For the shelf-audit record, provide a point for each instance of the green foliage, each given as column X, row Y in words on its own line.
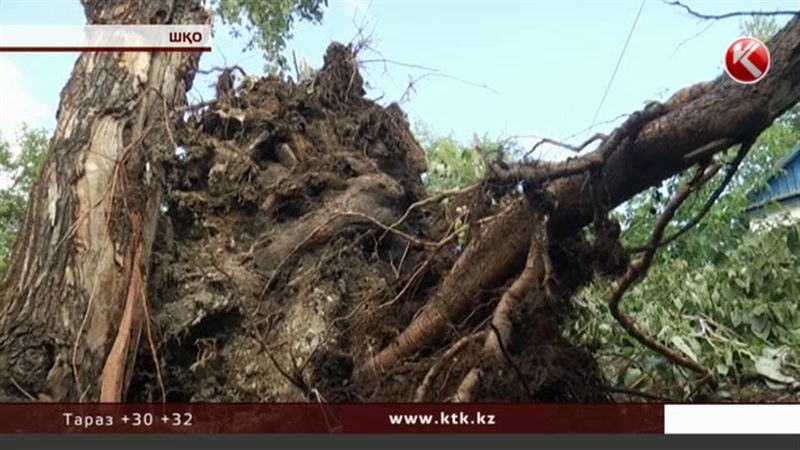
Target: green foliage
column 452, row 164
column 720, row 294
column 759, row 27
column 726, row 222
column 268, row 22
column 17, row 176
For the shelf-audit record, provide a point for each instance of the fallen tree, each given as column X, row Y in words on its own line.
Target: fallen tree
column 288, row 251
column 650, row 146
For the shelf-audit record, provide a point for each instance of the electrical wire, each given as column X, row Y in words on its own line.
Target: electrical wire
column 619, row 61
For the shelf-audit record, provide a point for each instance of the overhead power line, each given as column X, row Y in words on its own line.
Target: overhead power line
column 619, row 61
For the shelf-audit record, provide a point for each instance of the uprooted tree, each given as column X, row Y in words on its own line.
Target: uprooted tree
column 277, row 244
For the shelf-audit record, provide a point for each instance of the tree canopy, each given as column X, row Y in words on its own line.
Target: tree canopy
column 268, row 24
column 18, row 171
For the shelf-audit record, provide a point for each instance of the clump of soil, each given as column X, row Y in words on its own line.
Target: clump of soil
column 255, row 195
column 274, row 274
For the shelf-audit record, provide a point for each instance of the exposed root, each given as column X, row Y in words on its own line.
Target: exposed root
column 148, row 326
column 466, row 390
column 327, row 229
column 22, row 390
column 419, row 271
column 435, row 199
column 295, row 378
column 388, row 228
column 533, row 276
column 430, row 376
column 312, row 237
column 450, row 302
column 492, row 256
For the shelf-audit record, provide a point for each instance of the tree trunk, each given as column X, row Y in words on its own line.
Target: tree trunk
column 72, row 299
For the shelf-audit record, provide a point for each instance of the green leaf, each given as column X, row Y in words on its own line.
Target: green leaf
column 681, row 345
column 728, row 356
column 760, row 326
column 770, row 368
column 631, row 376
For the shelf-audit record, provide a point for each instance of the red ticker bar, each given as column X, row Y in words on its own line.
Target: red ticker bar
column 331, row 418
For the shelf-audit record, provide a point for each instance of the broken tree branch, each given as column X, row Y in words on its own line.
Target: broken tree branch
column 638, row 268
column 712, row 199
column 574, row 148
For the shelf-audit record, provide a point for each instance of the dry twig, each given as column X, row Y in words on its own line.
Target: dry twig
column 564, row 145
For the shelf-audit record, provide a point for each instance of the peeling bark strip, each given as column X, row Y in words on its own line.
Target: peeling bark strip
column 113, row 375
column 721, row 110
column 75, row 274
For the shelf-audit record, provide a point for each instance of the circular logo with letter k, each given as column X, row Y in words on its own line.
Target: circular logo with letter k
column 747, row 60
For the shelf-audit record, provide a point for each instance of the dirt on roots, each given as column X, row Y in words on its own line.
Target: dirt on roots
column 274, row 274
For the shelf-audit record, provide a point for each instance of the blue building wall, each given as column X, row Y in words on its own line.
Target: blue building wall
column 783, row 188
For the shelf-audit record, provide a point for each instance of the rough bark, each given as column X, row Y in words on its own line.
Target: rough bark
column 691, row 127
column 71, row 301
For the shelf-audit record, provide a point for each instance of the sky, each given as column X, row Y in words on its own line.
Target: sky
column 525, row 69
